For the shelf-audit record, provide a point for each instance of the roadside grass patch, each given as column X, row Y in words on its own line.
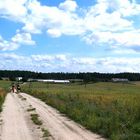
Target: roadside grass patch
column 2, row 97
column 45, row 133
column 35, row 119
column 31, row 109
column 23, row 99
column 1, row 121
column 5, row 85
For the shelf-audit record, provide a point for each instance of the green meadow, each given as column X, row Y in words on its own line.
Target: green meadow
column 5, row 85
column 2, row 97
column 109, row 109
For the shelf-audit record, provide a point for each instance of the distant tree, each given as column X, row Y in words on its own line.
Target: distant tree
column 87, row 77
column 24, row 79
column 12, row 78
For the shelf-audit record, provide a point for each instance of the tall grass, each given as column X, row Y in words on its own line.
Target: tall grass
column 2, row 97
column 5, row 85
column 4, row 88
column 110, row 109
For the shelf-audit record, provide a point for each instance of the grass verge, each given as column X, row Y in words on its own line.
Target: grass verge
column 45, row 133
column 35, row 119
column 2, row 98
column 31, row 109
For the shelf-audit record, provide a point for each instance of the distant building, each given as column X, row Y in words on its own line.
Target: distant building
column 5, row 78
column 119, row 80
column 75, row 80
column 19, row 78
column 48, row 80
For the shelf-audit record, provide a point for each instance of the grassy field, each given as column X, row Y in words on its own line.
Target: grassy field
column 110, row 109
column 2, row 97
column 5, row 85
column 4, row 88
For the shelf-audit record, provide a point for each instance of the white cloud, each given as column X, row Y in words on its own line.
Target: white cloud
column 64, row 63
column 61, row 57
column 23, row 38
column 16, row 41
column 121, row 51
column 31, row 28
column 54, row 20
column 68, row 5
column 105, row 22
column 7, row 45
column 11, row 56
column 54, row 32
column 128, row 39
column 13, row 9
column 112, row 27
column 49, row 58
column 43, row 58
column 127, row 8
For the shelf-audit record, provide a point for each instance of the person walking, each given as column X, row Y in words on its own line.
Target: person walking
column 18, row 88
column 13, row 88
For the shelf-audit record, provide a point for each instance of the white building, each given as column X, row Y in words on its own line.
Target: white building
column 119, row 80
column 19, row 78
column 49, row 80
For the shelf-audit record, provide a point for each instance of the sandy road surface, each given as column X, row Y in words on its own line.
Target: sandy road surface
column 14, row 124
column 59, row 126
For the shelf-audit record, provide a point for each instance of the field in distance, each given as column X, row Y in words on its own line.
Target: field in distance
column 110, row 109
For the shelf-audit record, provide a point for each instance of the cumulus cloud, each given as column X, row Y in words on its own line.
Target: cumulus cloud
column 54, row 32
column 128, row 8
column 7, row 45
column 128, row 39
column 68, row 5
column 108, row 24
column 106, row 21
column 13, row 9
column 49, row 58
column 16, row 41
column 55, row 20
column 124, row 51
column 64, row 63
column 23, row 38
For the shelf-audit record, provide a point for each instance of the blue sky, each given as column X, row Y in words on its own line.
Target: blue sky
column 70, row 35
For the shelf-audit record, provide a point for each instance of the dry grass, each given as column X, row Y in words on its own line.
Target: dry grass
column 2, row 97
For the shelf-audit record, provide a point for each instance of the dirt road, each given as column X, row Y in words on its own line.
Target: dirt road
column 17, row 124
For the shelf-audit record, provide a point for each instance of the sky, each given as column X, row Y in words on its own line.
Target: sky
column 70, row 35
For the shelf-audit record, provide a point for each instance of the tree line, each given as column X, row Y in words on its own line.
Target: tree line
column 86, row 76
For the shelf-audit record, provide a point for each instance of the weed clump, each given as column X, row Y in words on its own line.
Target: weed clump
column 2, row 98
column 35, row 119
column 31, row 109
column 45, row 133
